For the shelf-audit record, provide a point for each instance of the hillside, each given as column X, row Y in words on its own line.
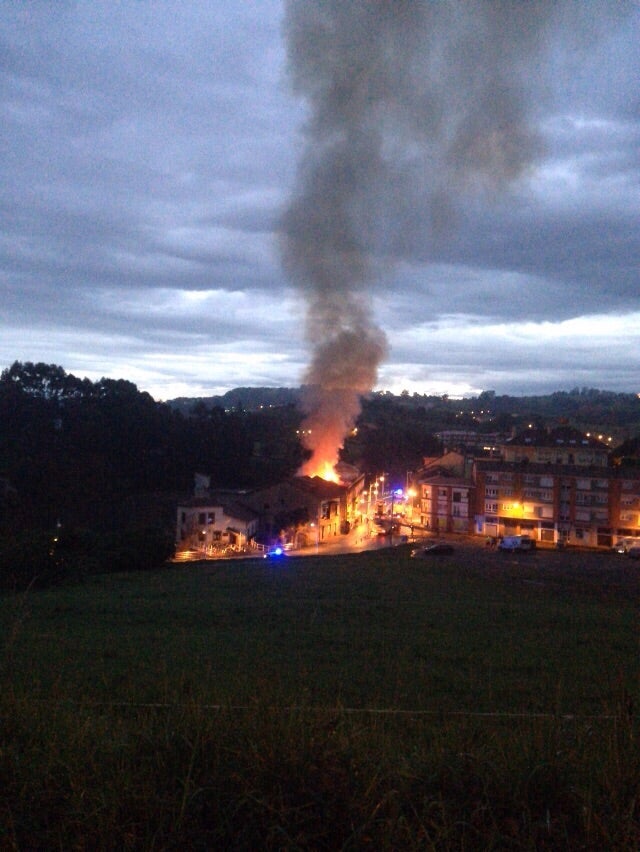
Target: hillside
column 589, row 409
column 243, row 398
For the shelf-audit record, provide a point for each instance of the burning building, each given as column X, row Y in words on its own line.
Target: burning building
column 301, row 511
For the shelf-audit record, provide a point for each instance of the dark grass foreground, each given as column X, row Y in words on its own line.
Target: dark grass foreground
column 334, row 703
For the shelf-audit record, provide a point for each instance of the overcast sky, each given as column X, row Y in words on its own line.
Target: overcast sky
column 150, row 149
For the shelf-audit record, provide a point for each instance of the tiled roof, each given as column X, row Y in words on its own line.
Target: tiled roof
column 561, row 436
column 592, row 471
column 231, row 508
column 319, row 487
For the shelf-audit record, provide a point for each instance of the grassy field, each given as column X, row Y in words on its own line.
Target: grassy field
column 370, row 701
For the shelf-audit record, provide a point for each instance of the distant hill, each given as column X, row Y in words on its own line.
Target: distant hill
column 585, row 408
column 247, row 398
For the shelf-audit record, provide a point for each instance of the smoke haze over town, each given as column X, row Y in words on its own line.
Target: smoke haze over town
column 213, row 195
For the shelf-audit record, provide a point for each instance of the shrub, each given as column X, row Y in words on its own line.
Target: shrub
column 37, row 559
column 134, row 549
column 31, row 558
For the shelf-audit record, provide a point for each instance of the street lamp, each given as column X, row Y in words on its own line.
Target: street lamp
column 317, row 526
column 397, row 492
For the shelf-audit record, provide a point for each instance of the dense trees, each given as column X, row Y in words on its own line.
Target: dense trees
column 108, row 463
column 72, row 447
column 70, row 444
column 67, row 442
column 586, row 408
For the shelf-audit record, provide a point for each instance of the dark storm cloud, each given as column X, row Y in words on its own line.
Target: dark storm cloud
column 148, row 150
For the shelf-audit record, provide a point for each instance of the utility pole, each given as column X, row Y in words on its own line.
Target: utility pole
column 394, row 492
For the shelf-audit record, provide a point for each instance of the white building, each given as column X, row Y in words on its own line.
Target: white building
column 209, row 524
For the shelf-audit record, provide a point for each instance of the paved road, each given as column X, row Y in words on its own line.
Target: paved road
column 360, row 539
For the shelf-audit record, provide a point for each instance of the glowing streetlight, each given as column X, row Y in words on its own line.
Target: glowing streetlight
column 411, row 494
column 398, row 492
column 317, row 529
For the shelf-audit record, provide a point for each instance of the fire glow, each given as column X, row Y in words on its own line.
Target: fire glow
column 323, row 460
column 324, row 455
column 331, row 414
column 324, row 470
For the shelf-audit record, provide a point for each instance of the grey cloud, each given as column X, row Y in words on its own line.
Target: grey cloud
column 152, row 147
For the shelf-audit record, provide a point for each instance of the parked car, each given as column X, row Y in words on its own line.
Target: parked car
column 624, row 545
column 433, row 550
column 634, row 552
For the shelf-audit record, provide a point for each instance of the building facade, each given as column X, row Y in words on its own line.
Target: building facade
column 447, row 504
column 592, row 506
column 210, row 525
column 553, row 485
column 563, row 445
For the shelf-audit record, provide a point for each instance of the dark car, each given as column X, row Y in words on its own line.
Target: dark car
column 433, row 550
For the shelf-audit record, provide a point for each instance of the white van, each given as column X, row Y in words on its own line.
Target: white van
column 517, row 543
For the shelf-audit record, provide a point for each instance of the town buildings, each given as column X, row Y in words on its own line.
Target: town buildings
column 554, row 485
column 300, row 512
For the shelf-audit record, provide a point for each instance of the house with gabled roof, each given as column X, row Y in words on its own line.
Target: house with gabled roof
column 309, row 509
column 213, row 523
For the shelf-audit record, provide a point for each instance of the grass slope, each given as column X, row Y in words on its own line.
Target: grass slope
column 366, row 701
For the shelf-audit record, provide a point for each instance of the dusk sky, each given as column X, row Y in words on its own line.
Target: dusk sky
column 156, row 154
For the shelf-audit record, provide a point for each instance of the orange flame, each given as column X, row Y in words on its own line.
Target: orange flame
column 323, row 469
column 326, row 471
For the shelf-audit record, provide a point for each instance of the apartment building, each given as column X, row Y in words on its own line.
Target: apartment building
column 588, row 505
column 561, row 445
column 447, row 504
column 553, row 485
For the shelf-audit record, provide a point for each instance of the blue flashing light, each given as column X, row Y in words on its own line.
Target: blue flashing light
column 275, row 553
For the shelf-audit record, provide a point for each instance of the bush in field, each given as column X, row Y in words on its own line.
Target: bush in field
column 133, row 550
column 37, row 559
column 32, row 558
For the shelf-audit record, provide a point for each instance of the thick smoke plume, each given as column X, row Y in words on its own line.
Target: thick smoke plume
column 413, row 105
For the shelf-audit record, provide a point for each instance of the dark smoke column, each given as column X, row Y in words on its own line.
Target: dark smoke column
column 326, row 250
column 412, row 103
